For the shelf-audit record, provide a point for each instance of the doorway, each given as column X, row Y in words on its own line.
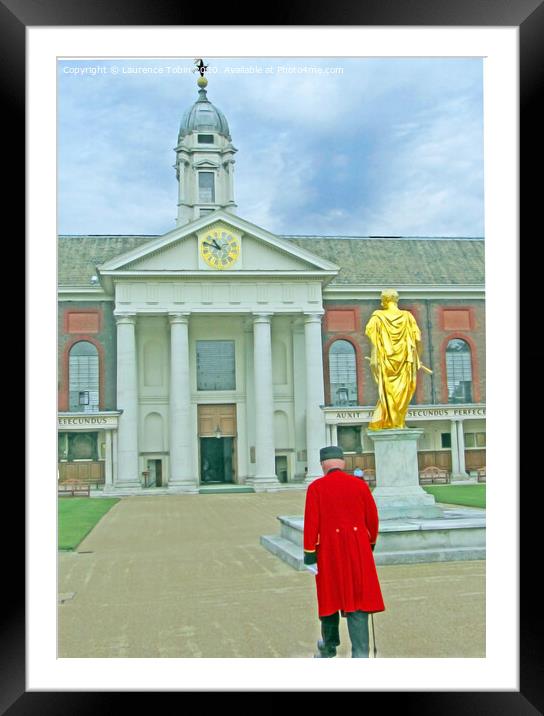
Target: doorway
column 281, row 468
column 154, row 468
column 217, row 437
column 216, row 460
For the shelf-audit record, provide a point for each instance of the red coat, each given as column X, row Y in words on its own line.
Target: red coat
column 340, row 523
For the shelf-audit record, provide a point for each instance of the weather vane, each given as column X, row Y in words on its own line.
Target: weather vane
column 200, row 67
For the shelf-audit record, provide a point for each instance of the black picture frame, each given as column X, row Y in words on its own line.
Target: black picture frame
column 528, row 16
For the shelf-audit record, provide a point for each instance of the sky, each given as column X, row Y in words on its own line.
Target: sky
column 326, row 146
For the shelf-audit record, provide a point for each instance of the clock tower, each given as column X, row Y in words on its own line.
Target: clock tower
column 204, row 160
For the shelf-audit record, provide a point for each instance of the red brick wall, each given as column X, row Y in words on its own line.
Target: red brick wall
column 434, row 317
column 79, row 325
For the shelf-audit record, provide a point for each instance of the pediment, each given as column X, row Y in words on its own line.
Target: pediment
column 206, row 164
column 179, row 251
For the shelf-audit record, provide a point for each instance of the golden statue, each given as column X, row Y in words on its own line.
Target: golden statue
column 394, row 361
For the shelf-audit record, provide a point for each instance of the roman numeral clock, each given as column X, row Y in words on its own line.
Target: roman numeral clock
column 219, row 247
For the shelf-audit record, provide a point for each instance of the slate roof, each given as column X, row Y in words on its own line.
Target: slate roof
column 400, row 260
column 363, row 259
column 78, row 256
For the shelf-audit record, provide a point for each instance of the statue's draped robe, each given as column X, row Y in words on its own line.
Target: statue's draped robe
column 394, row 362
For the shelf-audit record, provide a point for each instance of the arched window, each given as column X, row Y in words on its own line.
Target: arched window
column 343, row 373
column 84, row 378
column 459, row 371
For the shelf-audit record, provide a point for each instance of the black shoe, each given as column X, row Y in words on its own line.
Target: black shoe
column 324, row 652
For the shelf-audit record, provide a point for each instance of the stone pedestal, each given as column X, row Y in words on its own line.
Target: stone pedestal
column 458, row 535
column 398, row 493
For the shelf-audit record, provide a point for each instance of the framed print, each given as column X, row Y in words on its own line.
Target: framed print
column 48, row 43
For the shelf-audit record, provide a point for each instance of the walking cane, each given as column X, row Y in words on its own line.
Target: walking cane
column 373, row 635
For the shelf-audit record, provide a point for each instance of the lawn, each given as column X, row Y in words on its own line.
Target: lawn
column 78, row 516
column 468, row 495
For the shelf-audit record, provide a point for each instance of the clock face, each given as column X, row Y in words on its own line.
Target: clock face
column 219, row 248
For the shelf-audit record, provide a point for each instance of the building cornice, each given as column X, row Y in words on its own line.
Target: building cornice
column 223, row 275
column 360, row 414
column 82, row 293
column 411, row 291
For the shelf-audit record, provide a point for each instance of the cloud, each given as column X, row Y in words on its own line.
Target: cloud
column 389, row 146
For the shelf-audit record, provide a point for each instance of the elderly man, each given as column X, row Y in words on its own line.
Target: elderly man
column 340, row 532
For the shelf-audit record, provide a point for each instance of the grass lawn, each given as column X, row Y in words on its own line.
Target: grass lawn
column 469, row 495
column 78, row 516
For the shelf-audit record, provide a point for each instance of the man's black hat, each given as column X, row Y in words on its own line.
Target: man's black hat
column 331, row 452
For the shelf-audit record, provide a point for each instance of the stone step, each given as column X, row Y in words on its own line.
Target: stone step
column 458, row 535
column 224, row 489
column 285, row 550
column 451, row 554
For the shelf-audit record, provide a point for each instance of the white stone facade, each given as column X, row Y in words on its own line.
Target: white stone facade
column 270, row 305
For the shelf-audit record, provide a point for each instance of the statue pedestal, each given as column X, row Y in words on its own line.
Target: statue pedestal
column 398, row 493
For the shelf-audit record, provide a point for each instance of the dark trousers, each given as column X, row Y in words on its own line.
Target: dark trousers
column 357, row 629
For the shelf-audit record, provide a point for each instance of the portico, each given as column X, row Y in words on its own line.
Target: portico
column 190, row 336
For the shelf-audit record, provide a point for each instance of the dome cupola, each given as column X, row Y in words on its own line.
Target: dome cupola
column 204, row 160
column 203, row 116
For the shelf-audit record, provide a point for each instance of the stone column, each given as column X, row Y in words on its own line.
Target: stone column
column 250, row 402
column 299, row 394
column 109, row 460
column 114, row 456
column 265, row 469
column 334, row 434
column 315, row 398
column 182, row 436
column 127, row 401
column 458, row 469
column 181, row 180
column 454, row 449
column 461, row 443
column 229, row 178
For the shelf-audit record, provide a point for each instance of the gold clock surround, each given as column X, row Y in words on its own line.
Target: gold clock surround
column 219, row 247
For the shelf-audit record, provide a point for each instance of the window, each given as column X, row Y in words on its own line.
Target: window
column 205, row 138
column 206, row 189
column 459, row 371
column 215, row 366
column 446, row 440
column 474, row 440
column 82, row 446
column 62, row 446
column 83, row 378
column 342, row 373
column 349, row 438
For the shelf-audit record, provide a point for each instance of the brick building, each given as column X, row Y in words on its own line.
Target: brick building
column 220, row 352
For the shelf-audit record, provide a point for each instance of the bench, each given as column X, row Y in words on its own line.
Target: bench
column 74, row 488
column 481, row 474
column 433, row 475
